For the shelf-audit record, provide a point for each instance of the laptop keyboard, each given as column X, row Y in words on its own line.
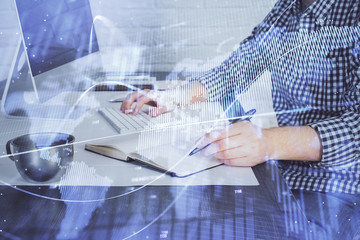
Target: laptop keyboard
column 124, row 123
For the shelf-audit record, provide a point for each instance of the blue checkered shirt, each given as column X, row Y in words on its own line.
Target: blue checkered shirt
column 314, row 60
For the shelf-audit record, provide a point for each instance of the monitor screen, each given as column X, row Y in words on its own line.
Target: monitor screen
column 56, row 32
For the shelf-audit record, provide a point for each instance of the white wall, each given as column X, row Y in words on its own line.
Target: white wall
column 167, row 35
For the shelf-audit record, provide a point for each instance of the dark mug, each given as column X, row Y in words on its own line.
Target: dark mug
column 41, row 157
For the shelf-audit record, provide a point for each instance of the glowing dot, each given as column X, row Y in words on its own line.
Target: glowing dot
column 28, row 37
column 61, row 39
column 44, row 20
column 33, row 55
column 44, row 29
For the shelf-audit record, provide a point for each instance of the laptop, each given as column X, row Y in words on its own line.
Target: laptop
column 58, row 51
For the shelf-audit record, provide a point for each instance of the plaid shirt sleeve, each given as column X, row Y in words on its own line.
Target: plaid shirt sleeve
column 340, row 136
column 243, row 66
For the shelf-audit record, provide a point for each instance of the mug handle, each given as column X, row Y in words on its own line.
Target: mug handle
column 8, row 150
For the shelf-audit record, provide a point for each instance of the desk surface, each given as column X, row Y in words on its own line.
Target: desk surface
column 91, row 169
column 266, row 211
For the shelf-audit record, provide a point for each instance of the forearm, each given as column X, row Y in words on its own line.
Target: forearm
column 293, row 143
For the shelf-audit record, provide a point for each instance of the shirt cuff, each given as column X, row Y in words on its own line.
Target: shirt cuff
column 338, row 144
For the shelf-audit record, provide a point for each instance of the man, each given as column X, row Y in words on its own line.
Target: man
column 312, row 49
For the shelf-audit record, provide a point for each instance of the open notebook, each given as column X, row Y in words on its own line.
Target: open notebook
column 165, row 158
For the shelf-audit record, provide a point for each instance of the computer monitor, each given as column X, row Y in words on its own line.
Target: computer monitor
column 59, row 39
column 58, row 50
column 56, row 32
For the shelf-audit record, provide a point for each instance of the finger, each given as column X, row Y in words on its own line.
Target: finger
column 140, row 103
column 239, row 157
column 239, row 162
column 230, row 154
column 128, row 101
column 228, row 131
column 209, row 138
column 224, row 144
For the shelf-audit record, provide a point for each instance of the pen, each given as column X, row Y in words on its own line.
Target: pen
column 248, row 115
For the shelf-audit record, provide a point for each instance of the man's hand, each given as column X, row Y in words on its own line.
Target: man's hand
column 239, row 144
column 165, row 101
column 161, row 100
column 245, row 144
